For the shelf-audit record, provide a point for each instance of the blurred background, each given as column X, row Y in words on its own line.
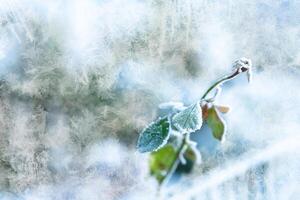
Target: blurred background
column 79, row 79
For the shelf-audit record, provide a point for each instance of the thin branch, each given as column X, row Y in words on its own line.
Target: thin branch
column 220, row 82
column 176, row 160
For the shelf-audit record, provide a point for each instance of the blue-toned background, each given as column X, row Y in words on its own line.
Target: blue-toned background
column 81, row 78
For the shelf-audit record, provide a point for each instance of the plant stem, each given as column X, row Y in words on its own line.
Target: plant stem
column 219, row 82
column 176, row 159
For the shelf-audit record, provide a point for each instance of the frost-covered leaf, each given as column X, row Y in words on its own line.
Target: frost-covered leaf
column 161, row 161
column 192, row 156
column 215, row 122
column 154, row 136
column 188, row 120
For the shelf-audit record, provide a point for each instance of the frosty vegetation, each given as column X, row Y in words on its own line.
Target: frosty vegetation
column 81, row 79
column 169, row 153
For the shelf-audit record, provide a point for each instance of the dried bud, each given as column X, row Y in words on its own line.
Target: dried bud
column 243, row 65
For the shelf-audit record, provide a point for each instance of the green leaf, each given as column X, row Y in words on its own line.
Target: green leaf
column 188, row 120
column 192, row 156
column 154, row 136
column 216, row 123
column 161, row 161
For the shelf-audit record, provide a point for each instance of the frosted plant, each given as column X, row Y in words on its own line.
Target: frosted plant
column 76, row 73
column 166, row 155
